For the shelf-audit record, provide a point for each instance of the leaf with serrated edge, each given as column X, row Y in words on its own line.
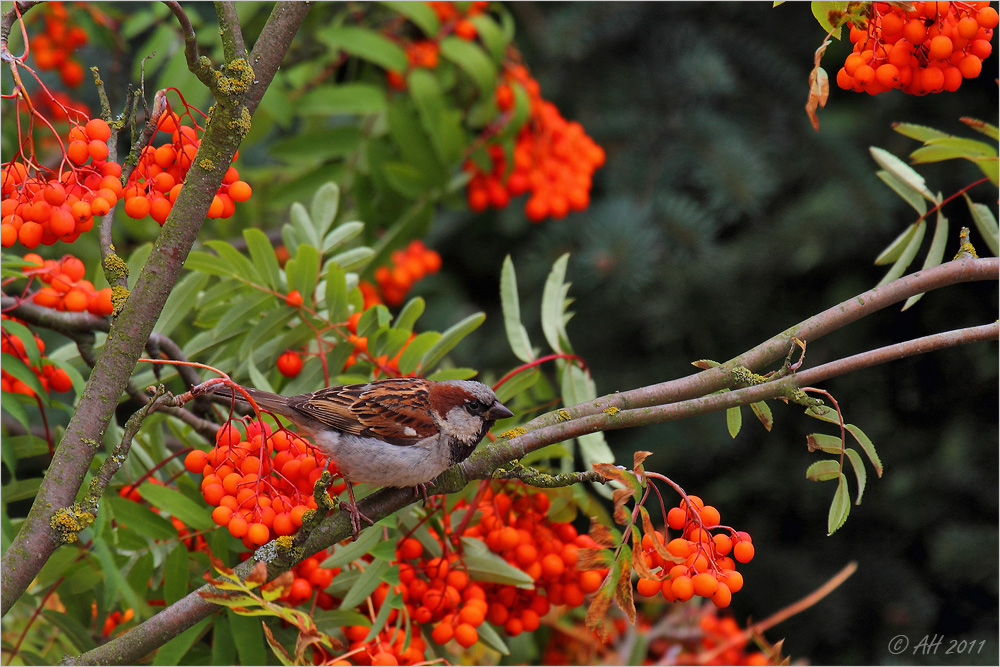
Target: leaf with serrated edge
column 620, row 498
column 601, row 534
column 623, row 589
column 553, row 306
column 894, row 250
column 981, row 126
column 918, row 132
column 859, row 471
column 823, row 413
column 867, row 446
column 910, row 195
column 598, row 611
column 638, row 458
column 840, row 507
column 823, row 471
column 279, row 651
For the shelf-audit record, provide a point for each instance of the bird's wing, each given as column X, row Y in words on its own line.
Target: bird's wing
column 384, row 410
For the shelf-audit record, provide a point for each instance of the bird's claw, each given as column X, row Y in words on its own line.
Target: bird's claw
column 356, row 517
column 421, row 489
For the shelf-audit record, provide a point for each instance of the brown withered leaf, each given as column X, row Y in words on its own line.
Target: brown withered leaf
column 257, row 576
column 597, row 613
column 602, row 535
column 623, row 589
column 819, row 86
column 638, row 458
column 620, row 497
column 278, row 649
column 640, row 566
column 610, row 472
column 592, row 559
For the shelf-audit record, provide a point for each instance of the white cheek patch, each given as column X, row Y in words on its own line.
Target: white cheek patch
column 460, row 424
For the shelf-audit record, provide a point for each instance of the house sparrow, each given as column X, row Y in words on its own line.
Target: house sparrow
column 394, row 432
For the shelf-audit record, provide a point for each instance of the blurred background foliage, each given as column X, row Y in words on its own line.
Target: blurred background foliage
column 720, row 219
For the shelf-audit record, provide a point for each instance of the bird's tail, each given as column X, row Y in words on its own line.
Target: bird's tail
column 264, row 400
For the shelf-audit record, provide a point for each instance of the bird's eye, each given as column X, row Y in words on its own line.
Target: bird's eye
column 474, row 407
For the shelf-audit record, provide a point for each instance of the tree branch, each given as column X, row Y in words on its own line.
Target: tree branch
column 36, row 540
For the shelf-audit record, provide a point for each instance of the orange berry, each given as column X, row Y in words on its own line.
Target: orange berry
column 258, row 533
column 100, row 206
column 289, row 364
column 682, row 588
column 722, row 596
column 411, row 549
column 384, row 659
column 466, row 635
column 743, row 552
column 705, row 584
column 60, row 381
column 733, row 580
column 159, row 209
column 75, row 300
column 970, row 66
column 195, row 461
column 98, row 150
column 240, row 191
column 213, row 494
column 648, row 587
column 97, row 130
column 78, row 151
column 137, row 207
column 988, row 18
column 940, row 47
column 222, row 515
column 216, row 208
column 590, row 581
column 442, row 633
column 293, row 299
column 552, row 566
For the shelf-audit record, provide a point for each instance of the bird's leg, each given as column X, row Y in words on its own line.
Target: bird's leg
column 421, row 489
column 356, row 515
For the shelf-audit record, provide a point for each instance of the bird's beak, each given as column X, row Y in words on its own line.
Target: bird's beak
column 498, row 411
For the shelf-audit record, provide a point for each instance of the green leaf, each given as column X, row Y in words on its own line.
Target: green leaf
column 823, row 471
column 471, row 58
column 965, row 148
column 517, row 335
column 140, row 519
column 554, row 306
column 265, row 262
column 840, row 507
column 409, row 315
column 223, row 642
column 899, row 268
column 734, row 421
column 822, row 13
column 13, row 365
column 22, row 489
column 318, row 145
column 336, row 293
column 365, row 44
column 78, row 635
column 27, row 337
column 405, row 179
column 416, row 350
column 176, row 581
column 177, row 648
column 345, row 554
column 342, row 234
column 353, row 259
column 414, row 143
column 249, row 639
column 345, row 98
column 935, row 254
column 893, row 164
column 919, row 132
column 492, row 36
column 440, row 120
column 982, row 215
column 257, row 379
column 825, row 443
column 910, row 195
column 859, row 472
column 763, row 412
column 484, row 565
column 179, row 304
column 449, row 339
column 419, row 13
column 367, row 582
column 324, row 207
column 232, row 257
column 823, row 413
column 302, row 272
column 177, row 505
column 445, row 374
column 867, row 446
column 517, row 384
column 489, row 637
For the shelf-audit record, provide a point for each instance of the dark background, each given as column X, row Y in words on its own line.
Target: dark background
column 720, row 219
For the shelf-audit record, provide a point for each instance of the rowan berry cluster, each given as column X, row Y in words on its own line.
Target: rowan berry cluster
column 41, row 206
column 553, row 159
column 515, row 525
column 65, row 288
column 455, row 17
column 260, row 486
column 919, row 47
column 51, row 377
column 423, row 53
column 53, row 48
column 408, row 267
column 158, row 177
column 698, row 562
column 388, row 648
